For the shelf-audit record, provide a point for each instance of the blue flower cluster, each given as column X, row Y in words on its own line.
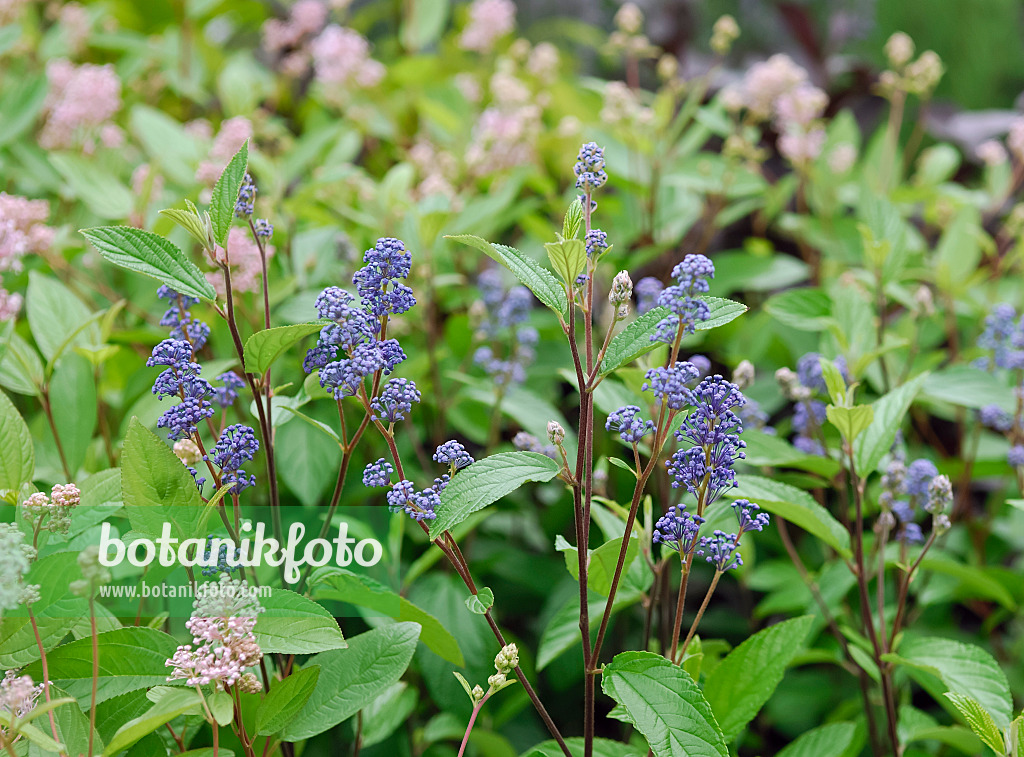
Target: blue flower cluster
column 177, row 316
column 596, row 242
column 246, row 202
column 721, row 550
column 226, row 394
column 454, row 455
column 395, row 400
column 672, row 385
column 505, row 316
column 419, row 506
column 1004, row 337
column 687, row 309
column 378, row 474
column 237, row 445
column 631, row 427
column 589, row 168
column 906, row 489
column 804, row 387
column 647, row 291
column 378, row 281
column 181, row 379
column 678, row 529
column 223, row 565
column 713, row 428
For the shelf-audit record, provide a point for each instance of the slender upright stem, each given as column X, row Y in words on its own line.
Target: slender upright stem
column 48, row 410
column 46, row 672
column 700, row 615
column 680, row 603
column 472, row 720
column 95, row 667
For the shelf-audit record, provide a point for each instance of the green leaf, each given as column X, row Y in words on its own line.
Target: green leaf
column 31, row 733
column 601, row 563
column 480, row 602
column 101, row 191
column 979, row 720
column 21, row 370
column 388, row 712
column 285, row 699
column 635, row 340
column 665, row 705
column 73, row 395
column 174, row 702
column 264, row 347
column 796, row 506
column 130, row 658
column 851, row 421
column 72, row 724
column 568, row 258
column 152, row 255
column 536, row 278
column 486, row 481
column 157, row 488
column 422, row 24
column 830, row 740
column 361, row 591
column 55, row 314
column 292, row 624
column 573, row 220
column 602, row 748
column 741, row 684
column 964, row 669
column 804, row 309
column 349, row 678
column 834, row 381
column 221, row 707
column 968, row 386
column 889, row 411
column 225, row 194
column 17, row 453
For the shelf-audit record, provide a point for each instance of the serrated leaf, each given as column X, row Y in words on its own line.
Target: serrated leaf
column 351, row 677
column 829, row 740
column 152, row 255
column 172, row 704
column 851, row 421
column 568, row 257
column 889, row 411
column 486, row 481
column 665, row 705
column 225, row 194
column 17, row 453
column 530, row 273
column 264, row 347
column 979, row 720
column 480, row 602
column 573, row 220
column 741, row 684
column 285, row 699
column 602, row 748
column 293, row 624
column 805, row 309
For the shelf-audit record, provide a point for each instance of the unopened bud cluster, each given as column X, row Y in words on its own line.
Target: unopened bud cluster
column 52, row 513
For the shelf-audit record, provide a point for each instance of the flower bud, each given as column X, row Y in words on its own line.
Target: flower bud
column 940, row 495
column 556, row 434
column 187, row 451
column 250, row 684
column 507, row 658
column 497, row 680
column 622, row 289
column 743, row 376
column 478, row 693
column 941, row 524
column 629, row 19
column 899, row 49
column 724, row 33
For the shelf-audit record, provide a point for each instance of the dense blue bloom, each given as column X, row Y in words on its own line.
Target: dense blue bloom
column 177, row 315
column 175, row 353
column 378, row 473
column 687, row 309
column 180, row 379
column 596, row 242
column 245, row 204
column 377, row 281
column 995, row 418
column 223, row 565
column 630, row 426
column 919, row 475
column 182, row 419
column 453, row 453
column 226, row 394
column 748, row 516
column 395, row 400
column 417, row 505
column 720, row 550
column 236, row 445
column 809, row 371
column 911, row 534
column 505, row 320
column 264, row 229
column 589, row 168
column 670, row 385
column 1004, row 335
column 1015, row 456
column 678, row 529
column 344, row 377
column 647, row 291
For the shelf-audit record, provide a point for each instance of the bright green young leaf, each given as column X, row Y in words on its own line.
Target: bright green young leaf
column 741, row 684
column 480, row 602
column 889, row 411
column 573, row 220
column 834, row 381
column 221, row 707
column 486, row 481
column 665, row 705
column 796, row 506
column 21, row 370
column 264, row 347
column 602, row 748
column 152, row 255
column 388, row 712
column 55, row 314
column 292, row 624
column 422, row 25
column 17, row 453
column 285, row 699
column 225, row 194
column 175, row 702
column 829, row 740
column 804, row 309
column 349, row 678
column 568, row 258
column 530, row 273
column 31, row 734
column 851, row 421
column 979, row 720
column 601, row 563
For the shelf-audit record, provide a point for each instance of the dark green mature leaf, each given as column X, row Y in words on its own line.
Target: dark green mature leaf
column 665, row 705
column 17, row 454
column 285, row 699
column 101, row 191
column 602, row 748
column 486, row 481
column 21, row 370
column 635, row 340
column 388, row 712
column 741, row 684
column 964, row 668
column 55, row 314
column 968, row 386
column 889, row 411
column 152, row 255
column 292, row 624
column 979, row 720
column 225, row 194
column 73, row 396
column 536, row 278
column 158, row 489
column 830, row 740
column 264, row 347
column 173, row 703
column 805, row 309
column 349, row 678
column 796, row 506
column 72, row 726
column 130, row 658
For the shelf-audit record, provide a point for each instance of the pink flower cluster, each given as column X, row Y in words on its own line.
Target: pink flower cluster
column 23, row 230
column 232, row 134
column 10, row 10
column 221, row 625
column 287, row 39
column 341, row 57
column 489, row 21
column 81, row 102
column 18, row 695
column 243, row 256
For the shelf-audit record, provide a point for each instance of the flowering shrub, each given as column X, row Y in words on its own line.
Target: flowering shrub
column 333, row 422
